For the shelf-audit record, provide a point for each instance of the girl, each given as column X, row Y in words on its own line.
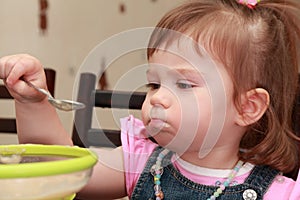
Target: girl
column 251, row 47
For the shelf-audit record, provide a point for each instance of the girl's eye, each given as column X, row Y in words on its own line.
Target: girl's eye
column 153, row 86
column 184, row 85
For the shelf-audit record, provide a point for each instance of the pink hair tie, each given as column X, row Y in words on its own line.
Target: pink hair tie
column 249, row 3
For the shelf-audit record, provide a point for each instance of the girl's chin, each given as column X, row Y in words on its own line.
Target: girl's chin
column 169, row 141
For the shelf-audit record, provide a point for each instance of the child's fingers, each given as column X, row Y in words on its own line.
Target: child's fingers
column 13, row 67
column 7, row 65
column 4, row 70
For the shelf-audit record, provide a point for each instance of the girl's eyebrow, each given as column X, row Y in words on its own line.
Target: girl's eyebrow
column 188, row 73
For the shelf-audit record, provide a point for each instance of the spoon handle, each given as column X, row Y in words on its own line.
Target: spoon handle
column 37, row 88
column 65, row 105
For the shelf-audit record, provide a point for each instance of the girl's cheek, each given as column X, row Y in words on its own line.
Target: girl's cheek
column 144, row 111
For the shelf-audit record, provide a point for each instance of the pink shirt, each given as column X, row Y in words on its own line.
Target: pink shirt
column 137, row 149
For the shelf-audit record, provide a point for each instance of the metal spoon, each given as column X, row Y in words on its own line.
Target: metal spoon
column 61, row 104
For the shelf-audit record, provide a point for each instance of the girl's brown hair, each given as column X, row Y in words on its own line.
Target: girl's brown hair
column 259, row 48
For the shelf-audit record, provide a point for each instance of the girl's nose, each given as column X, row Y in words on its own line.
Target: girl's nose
column 162, row 96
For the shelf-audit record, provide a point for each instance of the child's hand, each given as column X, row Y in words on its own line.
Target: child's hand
column 12, row 68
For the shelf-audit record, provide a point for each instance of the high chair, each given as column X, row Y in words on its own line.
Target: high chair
column 83, row 133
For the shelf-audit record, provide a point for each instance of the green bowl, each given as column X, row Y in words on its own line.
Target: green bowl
column 53, row 172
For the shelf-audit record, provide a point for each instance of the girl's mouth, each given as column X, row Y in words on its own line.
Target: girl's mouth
column 155, row 125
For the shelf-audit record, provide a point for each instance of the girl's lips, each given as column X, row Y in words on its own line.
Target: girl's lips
column 157, row 124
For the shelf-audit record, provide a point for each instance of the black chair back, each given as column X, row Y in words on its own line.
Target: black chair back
column 83, row 133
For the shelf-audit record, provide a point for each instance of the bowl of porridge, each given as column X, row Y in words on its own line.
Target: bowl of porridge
column 44, row 172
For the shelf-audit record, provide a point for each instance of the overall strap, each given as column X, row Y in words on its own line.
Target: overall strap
column 261, row 178
column 139, row 188
column 152, row 159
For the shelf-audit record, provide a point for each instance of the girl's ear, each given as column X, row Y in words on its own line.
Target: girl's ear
column 254, row 103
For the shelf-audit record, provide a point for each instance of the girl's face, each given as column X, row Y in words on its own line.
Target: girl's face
column 177, row 111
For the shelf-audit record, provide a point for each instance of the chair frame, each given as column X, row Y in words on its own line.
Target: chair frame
column 85, row 136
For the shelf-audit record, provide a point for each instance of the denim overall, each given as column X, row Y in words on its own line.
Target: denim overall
column 176, row 186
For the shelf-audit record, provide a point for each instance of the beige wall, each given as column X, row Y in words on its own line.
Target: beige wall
column 75, row 27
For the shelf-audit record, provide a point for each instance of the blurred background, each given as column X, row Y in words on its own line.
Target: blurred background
column 61, row 33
